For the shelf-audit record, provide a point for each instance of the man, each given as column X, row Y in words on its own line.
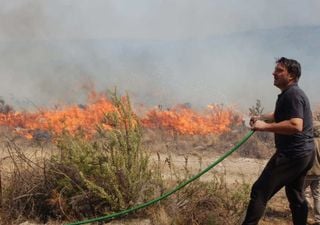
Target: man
column 291, row 122
column 313, row 175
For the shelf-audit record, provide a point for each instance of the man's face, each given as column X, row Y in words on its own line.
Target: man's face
column 282, row 79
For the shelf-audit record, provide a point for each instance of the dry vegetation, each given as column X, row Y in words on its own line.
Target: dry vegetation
column 77, row 179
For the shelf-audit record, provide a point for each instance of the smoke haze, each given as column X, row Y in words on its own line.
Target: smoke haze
column 161, row 52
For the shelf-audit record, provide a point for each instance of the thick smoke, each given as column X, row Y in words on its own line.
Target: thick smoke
column 164, row 52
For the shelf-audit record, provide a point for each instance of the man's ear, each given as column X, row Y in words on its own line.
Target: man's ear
column 292, row 77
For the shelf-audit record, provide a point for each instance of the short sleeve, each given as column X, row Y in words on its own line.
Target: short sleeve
column 295, row 106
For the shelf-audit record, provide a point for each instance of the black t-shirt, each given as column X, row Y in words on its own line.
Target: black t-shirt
column 293, row 103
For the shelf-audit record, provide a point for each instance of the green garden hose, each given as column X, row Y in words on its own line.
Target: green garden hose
column 165, row 195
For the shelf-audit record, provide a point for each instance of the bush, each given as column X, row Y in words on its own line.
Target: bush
column 86, row 178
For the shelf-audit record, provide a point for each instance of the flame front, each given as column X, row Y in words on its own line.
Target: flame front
column 215, row 119
column 70, row 119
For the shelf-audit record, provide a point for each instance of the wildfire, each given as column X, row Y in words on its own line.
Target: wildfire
column 181, row 119
column 216, row 119
column 70, row 119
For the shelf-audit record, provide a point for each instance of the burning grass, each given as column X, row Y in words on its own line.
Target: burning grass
column 181, row 119
column 70, row 119
column 216, row 119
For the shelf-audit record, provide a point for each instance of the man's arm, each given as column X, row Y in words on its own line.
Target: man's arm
column 287, row 127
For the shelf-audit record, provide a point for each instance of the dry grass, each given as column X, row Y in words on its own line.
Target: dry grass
column 27, row 168
column 31, row 191
column 209, row 206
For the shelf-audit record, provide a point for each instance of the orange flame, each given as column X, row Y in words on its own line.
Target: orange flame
column 70, row 119
column 216, row 119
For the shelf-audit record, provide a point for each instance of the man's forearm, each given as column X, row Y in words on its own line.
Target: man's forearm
column 287, row 127
column 269, row 117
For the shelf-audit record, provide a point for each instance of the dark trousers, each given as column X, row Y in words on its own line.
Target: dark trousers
column 281, row 171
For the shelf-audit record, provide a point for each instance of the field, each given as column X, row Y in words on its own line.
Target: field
column 63, row 175
column 183, row 157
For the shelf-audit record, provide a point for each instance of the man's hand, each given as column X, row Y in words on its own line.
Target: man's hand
column 259, row 125
column 253, row 119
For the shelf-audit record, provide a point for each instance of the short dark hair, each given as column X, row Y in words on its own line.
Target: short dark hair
column 293, row 66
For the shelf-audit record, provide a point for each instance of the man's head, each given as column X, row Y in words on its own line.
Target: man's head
column 293, row 67
column 286, row 72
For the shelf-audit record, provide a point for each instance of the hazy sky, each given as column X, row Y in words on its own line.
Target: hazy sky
column 162, row 52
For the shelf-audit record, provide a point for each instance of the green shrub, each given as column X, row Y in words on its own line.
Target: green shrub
column 113, row 170
column 87, row 178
